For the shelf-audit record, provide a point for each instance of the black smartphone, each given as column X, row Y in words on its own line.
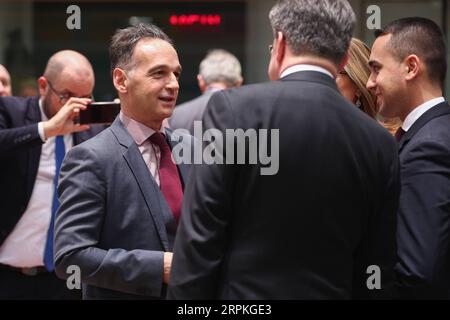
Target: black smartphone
column 99, row 112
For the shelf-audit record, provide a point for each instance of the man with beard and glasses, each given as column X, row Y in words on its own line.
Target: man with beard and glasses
column 34, row 135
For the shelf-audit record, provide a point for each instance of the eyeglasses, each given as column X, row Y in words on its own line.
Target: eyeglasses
column 64, row 97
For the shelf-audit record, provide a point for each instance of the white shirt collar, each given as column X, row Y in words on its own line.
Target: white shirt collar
column 305, row 67
column 41, row 108
column 213, row 89
column 419, row 111
column 138, row 131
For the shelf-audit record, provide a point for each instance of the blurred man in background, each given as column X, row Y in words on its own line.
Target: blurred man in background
column 34, row 135
column 218, row 70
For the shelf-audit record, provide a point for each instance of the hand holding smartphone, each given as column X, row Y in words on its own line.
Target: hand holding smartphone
column 99, row 112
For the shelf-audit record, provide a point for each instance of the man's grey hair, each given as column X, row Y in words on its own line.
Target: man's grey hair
column 220, row 66
column 321, row 28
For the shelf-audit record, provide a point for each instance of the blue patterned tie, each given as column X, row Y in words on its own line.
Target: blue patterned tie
column 59, row 156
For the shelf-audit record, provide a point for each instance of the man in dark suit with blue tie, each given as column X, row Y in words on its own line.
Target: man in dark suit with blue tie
column 121, row 192
column 34, row 134
column 408, row 63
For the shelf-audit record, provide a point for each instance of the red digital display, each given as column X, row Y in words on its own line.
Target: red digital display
column 195, row 19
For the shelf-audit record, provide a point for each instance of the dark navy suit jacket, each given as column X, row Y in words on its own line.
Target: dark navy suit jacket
column 20, row 152
column 423, row 233
column 311, row 230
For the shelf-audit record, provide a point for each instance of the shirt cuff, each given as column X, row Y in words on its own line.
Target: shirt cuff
column 41, row 131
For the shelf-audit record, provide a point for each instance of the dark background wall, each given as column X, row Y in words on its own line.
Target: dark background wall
column 100, row 20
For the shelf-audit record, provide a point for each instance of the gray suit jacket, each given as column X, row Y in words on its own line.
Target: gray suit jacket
column 186, row 113
column 113, row 221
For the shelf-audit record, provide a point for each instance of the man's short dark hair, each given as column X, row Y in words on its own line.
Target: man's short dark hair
column 124, row 40
column 422, row 37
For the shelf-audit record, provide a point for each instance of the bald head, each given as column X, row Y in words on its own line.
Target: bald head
column 68, row 62
column 5, row 82
column 68, row 74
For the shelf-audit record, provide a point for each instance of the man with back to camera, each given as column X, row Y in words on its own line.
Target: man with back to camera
column 314, row 228
column 120, row 227
column 219, row 70
column 34, row 134
column 408, row 69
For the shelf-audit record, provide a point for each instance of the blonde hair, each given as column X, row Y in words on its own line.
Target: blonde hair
column 358, row 70
column 391, row 124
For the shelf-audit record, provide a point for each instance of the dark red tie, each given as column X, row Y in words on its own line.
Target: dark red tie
column 169, row 178
column 399, row 133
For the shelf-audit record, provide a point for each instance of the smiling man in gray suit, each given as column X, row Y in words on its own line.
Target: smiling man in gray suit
column 121, row 193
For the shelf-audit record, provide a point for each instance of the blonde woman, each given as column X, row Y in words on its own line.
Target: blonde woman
column 352, row 80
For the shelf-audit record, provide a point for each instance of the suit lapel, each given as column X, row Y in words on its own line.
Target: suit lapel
column 437, row 111
column 147, row 185
column 32, row 116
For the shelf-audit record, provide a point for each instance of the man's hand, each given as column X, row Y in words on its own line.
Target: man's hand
column 62, row 122
column 167, row 265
